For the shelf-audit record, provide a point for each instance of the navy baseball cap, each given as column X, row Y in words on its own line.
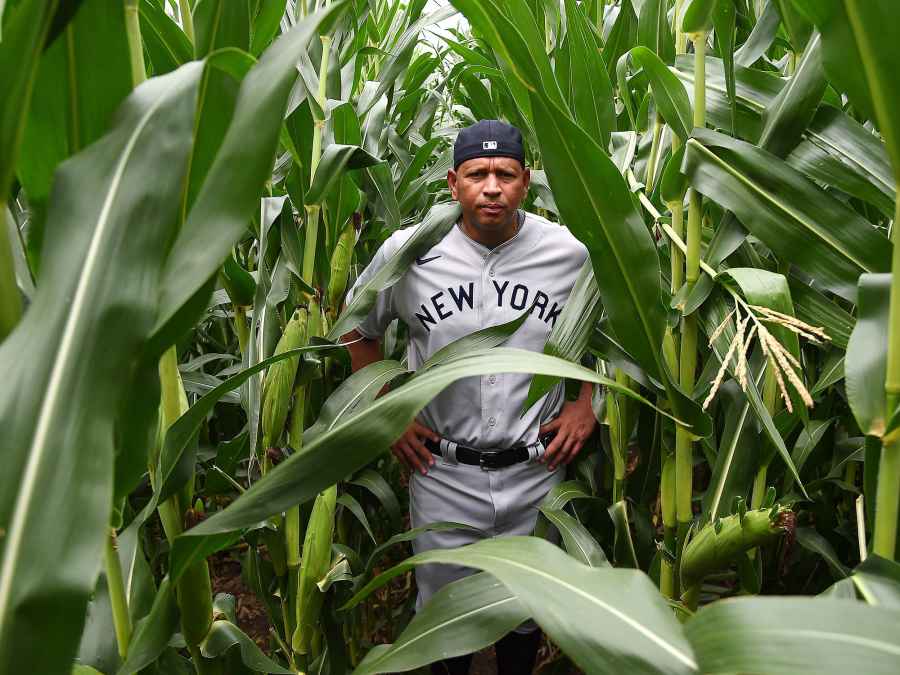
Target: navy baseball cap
column 488, row 138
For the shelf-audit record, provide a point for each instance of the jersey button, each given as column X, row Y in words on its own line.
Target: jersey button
column 492, row 421
column 491, row 273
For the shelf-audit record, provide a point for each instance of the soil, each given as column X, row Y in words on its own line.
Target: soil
column 225, row 573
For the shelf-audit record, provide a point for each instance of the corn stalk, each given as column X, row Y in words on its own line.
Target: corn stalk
column 887, row 505
column 688, row 360
column 313, row 211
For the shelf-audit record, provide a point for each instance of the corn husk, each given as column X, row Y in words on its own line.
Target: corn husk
column 315, row 565
column 340, row 266
column 717, row 545
column 279, row 382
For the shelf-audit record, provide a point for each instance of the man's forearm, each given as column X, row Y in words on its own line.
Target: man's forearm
column 363, row 351
column 586, row 391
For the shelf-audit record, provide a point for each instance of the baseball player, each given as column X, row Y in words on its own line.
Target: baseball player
column 472, row 458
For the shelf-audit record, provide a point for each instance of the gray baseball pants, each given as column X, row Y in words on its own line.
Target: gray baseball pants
column 500, row 502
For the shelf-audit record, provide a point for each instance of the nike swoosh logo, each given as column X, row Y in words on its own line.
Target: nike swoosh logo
column 422, row 261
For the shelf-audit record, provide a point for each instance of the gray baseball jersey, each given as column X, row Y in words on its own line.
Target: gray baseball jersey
column 453, row 290
column 461, row 286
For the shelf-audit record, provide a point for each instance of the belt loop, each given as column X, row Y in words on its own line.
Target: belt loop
column 535, row 450
column 448, row 452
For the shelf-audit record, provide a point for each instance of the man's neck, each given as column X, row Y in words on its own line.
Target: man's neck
column 489, row 238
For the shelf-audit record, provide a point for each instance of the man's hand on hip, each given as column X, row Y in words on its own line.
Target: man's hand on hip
column 410, row 447
column 573, row 426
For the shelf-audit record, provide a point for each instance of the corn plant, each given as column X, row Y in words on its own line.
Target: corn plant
column 188, row 189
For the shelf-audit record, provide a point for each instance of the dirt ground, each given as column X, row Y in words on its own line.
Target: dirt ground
column 225, row 571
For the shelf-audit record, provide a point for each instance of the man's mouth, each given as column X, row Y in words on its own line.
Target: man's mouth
column 492, row 209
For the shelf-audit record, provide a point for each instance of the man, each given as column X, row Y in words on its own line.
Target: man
column 472, row 458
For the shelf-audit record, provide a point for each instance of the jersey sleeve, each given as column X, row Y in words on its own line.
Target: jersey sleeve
column 382, row 313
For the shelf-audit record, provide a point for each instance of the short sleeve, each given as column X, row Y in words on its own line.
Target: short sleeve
column 382, row 313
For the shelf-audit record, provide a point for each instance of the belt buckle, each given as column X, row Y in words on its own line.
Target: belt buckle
column 483, row 465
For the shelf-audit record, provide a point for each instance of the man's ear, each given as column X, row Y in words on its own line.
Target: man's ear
column 526, row 177
column 451, row 183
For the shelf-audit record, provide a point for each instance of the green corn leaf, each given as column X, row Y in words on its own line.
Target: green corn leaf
column 816, row 309
column 71, row 107
column 606, row 620
column 622, row 36
column 266, row 24
column 165, row 43
column 624, row 554
column 724, row 23
column 812, row 541
column 224, row 206
column 878, row 581
column 376, row 484
column 153, row 632
column 355, row 441
column 669, row 93
column 654, row 31
column 792, row 110
column 357, row 391
column 865, row 366
column 350, row 503
column 468, row 614
column 220, row 23
column 592, row 93
column 794, row 635
column 579, row 543
column 697, row 16
column 761, row 36
column 790, row 214
column 179, row 436
column 736, row 460
column 336, row 159
column 58, row 454
column 224, row 635
column 797, row 26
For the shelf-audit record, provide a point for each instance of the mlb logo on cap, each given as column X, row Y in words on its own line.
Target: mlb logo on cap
column 487, row 138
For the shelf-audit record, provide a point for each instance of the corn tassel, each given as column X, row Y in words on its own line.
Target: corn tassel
column 316, row 562
column 279, row 382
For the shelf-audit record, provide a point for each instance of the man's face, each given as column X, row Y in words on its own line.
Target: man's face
column 489, row 190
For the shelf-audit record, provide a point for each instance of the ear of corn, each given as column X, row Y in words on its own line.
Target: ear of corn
column 316, row 561
column 717, row 545
column 279, row 382
column 340, row 266
column 315, row 318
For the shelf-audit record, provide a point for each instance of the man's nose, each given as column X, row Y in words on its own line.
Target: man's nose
column 491, row 185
